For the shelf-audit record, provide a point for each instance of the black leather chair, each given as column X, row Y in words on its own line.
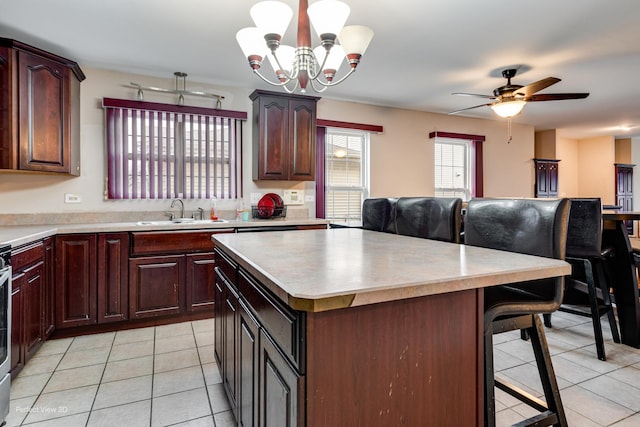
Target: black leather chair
column 378, row 214
column 587, row 289
column 535, row 227
column 436, row 218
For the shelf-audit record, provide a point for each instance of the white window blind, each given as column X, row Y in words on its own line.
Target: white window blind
column 346, row 175
column 160, row 151
column 452, row 164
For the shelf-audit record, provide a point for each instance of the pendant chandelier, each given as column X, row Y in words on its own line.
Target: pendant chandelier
column 300, row 66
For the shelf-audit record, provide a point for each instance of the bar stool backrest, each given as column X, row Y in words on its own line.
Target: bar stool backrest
column 436, row 218
column 584, row 235
column 377, row 214
column 528, row 226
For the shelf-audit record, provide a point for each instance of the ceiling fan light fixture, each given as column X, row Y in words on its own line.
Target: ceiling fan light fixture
column 508, row 109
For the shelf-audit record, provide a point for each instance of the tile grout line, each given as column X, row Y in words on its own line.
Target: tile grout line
column 100, row 380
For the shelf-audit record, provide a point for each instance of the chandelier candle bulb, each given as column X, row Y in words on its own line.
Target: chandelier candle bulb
column 297, row 67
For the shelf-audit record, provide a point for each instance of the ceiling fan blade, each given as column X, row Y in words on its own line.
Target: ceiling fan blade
column 474, row 94
column 534, row 87
column 471, row 108
column 555, row 96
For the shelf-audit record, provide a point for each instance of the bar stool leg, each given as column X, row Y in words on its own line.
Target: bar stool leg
column 489, row 380
column 545, row 368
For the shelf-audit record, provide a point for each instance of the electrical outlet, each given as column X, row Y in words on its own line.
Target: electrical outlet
column 72, row 198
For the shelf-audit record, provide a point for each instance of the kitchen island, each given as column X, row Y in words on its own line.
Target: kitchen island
column 356, row 328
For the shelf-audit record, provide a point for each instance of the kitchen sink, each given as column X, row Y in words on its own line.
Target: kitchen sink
column 181, row 221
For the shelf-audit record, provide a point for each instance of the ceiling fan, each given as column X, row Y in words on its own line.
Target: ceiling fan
column 510, row 99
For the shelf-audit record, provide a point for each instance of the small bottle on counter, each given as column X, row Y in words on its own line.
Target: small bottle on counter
column 213, row 214
column 239, row 209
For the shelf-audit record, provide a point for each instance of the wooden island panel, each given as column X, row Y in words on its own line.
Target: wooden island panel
column 412, row 362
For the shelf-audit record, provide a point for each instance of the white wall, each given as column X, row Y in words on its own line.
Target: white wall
column 401, row 157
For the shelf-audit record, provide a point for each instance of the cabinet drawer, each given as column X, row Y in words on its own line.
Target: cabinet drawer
column 280, row 322
column 170, row 242
column 226, row 265
column 26, row 255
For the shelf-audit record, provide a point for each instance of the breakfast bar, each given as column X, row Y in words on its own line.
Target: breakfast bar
column 354, row 327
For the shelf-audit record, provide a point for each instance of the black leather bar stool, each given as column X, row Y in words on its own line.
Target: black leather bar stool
column 535, row 227
column 436, row 218
column 587, row 289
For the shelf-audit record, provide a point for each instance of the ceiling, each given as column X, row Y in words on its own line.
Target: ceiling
column 422, row 51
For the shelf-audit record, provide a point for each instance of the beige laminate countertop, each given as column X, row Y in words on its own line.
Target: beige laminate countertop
column 20, row 234
column 317, row 270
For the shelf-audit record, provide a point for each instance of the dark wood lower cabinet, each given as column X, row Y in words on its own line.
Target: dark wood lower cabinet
column 75, row 289
column 32, row 294
column 281, row 386
column 49, row 302
column 199, row 284
column 230, row 350
column 263, row 387
column 113, row 277
column 17, row 349
column 249, row 352
column 155, row 286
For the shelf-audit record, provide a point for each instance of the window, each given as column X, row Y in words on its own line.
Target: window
column 458, row 165
column 346, row 175
column 452, row 177
column 160, row 151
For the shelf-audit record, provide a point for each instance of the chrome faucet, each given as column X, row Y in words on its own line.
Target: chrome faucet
column 181, row 206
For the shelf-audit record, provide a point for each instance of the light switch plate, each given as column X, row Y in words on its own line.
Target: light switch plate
column 293, row 197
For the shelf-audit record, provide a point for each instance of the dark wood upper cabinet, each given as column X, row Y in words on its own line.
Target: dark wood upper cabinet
column 546, row 177
column 284, row 136
column 39, row 110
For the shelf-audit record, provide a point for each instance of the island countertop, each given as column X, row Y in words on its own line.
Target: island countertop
column 319, row 270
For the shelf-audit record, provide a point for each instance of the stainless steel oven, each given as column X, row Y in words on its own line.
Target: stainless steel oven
column 5, row 330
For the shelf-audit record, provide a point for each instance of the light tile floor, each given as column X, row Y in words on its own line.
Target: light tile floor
column 166, row 376
column 151, row 377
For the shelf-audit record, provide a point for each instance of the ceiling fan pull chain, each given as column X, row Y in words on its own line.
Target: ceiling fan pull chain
column 509, row 130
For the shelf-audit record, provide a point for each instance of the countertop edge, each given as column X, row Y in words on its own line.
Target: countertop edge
column 18, row 235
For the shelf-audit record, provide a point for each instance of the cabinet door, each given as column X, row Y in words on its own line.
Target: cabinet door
column 552, row 173
column 280, row 386
column 48, row 301
column 33, row 311
column 219, row 314
column 273, row 133
column 302, row 140
column 542, row 184
column 9, row 157
column 156, row 286
column 200, row 282
column 17, row 325
column 44, row 108
column 76, row 276
column 113, row 277
column 229, row 359
column 248, row 354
